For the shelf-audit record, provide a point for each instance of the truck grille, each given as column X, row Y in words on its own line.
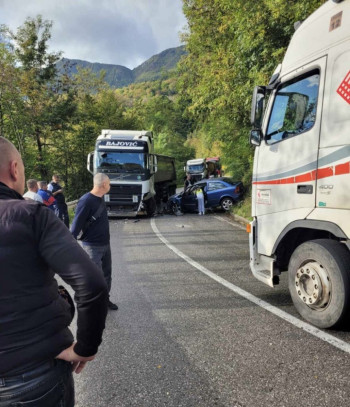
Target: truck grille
column 123, row 195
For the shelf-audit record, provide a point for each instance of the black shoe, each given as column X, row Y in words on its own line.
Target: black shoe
column 112, row 306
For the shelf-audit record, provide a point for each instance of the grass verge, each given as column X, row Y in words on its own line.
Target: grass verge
column 244, row 208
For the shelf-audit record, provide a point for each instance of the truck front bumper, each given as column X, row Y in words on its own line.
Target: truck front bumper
column 263, row 267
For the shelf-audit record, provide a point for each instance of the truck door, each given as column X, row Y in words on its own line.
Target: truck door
column 285, row 166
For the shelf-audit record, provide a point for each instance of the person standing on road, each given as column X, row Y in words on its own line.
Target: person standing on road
column 57, row 192
column 32, row 193
column 37, row 350
column 91, row 220
column 200, row 199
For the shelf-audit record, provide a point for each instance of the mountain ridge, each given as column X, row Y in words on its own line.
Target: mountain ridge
column 118, row 76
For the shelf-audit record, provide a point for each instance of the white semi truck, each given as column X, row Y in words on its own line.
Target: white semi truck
column 197, row 168
column 301, row 174
column 139, row 178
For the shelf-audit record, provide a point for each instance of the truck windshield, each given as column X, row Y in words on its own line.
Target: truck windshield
column 121, row 162
column 294, row 109
column 196, row 168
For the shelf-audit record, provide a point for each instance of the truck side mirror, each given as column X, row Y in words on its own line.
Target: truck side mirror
column 90, row 159
column 255, row 137
column 153, row 163
column 258, row 104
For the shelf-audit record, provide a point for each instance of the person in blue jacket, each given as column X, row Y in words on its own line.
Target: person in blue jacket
column 46, row 196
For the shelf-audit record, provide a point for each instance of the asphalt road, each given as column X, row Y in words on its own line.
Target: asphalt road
column 183, row 339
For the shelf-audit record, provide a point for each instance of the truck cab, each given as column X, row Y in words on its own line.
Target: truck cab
column 138, row 176
column 301, row 172
column 197, row 169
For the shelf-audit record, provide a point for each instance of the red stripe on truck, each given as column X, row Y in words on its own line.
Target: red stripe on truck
column 326, row 172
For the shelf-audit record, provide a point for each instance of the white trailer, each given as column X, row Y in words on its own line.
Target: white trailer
column 301, row 174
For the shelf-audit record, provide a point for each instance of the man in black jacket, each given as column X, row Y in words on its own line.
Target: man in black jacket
column 37, row 350
column 57, row 192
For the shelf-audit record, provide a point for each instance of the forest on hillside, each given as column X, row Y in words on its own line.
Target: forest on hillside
column 202, row 109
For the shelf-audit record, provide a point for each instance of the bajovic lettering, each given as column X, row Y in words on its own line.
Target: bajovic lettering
column 122, row 143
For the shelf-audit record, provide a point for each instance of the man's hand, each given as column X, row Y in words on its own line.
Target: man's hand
column 78, row 362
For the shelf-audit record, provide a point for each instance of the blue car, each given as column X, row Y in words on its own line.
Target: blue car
column 221, row 192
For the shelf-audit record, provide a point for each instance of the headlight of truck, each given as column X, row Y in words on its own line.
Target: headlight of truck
column 107, row 198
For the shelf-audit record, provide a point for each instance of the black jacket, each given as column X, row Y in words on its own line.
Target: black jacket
column 60, row 199
column 34, row 319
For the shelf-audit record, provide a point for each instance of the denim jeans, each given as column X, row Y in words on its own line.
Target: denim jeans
column 200, row 199
column 48, row 385
column 102, row 257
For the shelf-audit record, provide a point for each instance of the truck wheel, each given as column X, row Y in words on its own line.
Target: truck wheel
column 226, row 203
column 319, row 282
column 151, row 207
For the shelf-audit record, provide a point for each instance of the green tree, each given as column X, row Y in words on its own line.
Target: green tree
column 37, row 77
column 232, row 46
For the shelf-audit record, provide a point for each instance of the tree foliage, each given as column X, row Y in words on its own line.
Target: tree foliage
column 232, row 46
column 200, row 110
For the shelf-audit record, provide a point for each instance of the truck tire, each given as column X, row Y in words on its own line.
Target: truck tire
column 151, row 207
column 319, row 282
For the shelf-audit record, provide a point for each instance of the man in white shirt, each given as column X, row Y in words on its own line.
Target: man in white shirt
column 32, row 185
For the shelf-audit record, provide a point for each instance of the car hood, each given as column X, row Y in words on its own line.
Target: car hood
column 176, row 196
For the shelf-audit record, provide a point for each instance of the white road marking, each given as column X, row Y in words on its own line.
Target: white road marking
column 237, row 225
column 324, row 336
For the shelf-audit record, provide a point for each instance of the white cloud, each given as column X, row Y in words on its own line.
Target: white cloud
column 123, row 32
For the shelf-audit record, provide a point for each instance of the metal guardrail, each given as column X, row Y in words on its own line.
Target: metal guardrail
column 72, row 203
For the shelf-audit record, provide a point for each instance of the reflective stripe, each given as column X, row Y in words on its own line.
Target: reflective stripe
column 307, row 171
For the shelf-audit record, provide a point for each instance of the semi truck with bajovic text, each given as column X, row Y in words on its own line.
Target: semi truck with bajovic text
column 140, row 179
column 301, row 173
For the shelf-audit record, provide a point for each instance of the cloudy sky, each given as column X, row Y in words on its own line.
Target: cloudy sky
column 121, row 32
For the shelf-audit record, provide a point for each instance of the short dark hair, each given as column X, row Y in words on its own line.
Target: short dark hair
column 31, row 183
column 42, row 183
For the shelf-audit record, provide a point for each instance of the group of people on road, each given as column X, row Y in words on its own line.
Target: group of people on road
column 50, row 195
column 199, row 194
column 38, row 352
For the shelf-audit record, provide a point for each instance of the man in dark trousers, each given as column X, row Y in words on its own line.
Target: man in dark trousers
column 37, row 350
column 57, row 192
column 92, row 220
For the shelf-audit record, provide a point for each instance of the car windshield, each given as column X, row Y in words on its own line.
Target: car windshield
column 121, row 162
